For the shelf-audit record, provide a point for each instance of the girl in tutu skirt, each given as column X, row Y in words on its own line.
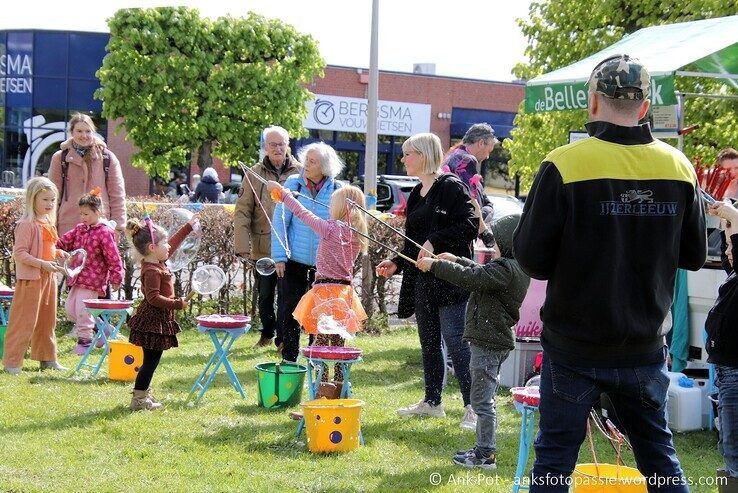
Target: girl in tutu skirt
column 153, row 326
column 332, row 302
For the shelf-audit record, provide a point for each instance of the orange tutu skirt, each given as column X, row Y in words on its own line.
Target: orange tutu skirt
column 337, row 301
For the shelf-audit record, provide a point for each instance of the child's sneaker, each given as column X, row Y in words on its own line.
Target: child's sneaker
column 474, row 458
column 51, row 365
column 13, row 370
column 72, row 333
column 470, row 419
column 82, row 346
column 422, row 408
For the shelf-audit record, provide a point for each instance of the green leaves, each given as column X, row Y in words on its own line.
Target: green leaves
column 561, row 32
column 179, row 80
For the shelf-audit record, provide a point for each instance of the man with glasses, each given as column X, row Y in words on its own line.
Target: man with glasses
column 252, row 230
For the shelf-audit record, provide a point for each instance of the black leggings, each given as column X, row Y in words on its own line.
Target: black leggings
column 146, row 372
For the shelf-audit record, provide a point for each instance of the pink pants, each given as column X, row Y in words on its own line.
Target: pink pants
column 75, row 309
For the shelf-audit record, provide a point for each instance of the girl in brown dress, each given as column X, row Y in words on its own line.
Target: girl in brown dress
column 153, row 326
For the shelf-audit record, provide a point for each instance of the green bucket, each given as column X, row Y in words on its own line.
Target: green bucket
column 279, row 384
column 3, row 328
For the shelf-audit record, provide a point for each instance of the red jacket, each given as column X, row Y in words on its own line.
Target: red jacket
column 103, row 259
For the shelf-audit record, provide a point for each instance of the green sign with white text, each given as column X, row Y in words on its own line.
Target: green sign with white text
column 573, row 95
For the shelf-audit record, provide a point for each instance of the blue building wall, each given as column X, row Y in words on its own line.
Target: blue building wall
column 45, row 77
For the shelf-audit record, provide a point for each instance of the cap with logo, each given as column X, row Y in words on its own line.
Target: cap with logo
column 621, row 77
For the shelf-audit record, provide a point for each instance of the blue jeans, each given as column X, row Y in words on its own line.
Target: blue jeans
column 434, row 322
column 485, row 379
column 726, row 379
column 638, row 395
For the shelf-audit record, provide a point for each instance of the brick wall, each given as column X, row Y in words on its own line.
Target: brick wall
column 442, row 93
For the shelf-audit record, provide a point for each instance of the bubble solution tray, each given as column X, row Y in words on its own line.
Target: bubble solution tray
column 331, row 352
column 108, row 304
column 216, row 321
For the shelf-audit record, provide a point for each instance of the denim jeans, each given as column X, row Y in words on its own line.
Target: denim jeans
column 267, row 285
column 726, row 379
column 638, row 395
column 485, row 378
column 434, row 322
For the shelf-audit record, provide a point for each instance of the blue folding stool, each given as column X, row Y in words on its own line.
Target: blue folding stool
column 103, row 318
column 223, row 340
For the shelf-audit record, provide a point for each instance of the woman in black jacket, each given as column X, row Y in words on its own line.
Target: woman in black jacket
column 722, row 342
column 440, row 217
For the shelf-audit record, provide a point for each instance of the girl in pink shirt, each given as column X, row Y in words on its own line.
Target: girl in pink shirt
column 332, row 299
column 103, row 264
column 33, row 310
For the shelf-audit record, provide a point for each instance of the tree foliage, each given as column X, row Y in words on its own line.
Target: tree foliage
column 183, row 83
column 561, row 32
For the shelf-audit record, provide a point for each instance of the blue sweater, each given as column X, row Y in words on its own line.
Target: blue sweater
column 301, row 240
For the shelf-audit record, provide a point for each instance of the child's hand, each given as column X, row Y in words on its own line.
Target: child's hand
column 425, row 263
column 447, row 256
column 195, row 223
column 185, row 302
column 50, row 266
column 386, row 268
column 115, row 287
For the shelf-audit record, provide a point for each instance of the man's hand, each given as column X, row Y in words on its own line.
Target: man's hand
column 425, row 264
column 279, row 268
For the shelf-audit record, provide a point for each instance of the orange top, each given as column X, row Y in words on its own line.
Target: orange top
column 48, row 251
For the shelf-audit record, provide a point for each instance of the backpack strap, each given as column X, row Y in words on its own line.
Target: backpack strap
column 65, row 171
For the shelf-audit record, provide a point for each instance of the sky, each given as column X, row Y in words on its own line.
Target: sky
column 477, row 39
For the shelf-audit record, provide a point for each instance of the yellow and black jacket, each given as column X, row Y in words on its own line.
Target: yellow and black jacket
column 607, row 222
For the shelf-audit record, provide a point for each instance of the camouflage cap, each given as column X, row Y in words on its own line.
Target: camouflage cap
column 621, row 77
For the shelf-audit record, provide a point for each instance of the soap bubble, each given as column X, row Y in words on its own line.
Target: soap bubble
column 171, row 220
column 265, row 266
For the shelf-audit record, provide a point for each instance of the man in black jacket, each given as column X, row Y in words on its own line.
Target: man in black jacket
column 608, row 221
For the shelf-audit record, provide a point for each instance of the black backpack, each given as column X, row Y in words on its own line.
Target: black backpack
column 65, row 170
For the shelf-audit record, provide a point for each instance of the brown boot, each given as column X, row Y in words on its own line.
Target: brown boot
column 151, row 397
column 141, row 401
column 328, row 390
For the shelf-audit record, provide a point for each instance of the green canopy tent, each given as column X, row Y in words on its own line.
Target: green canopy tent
column 706, row 48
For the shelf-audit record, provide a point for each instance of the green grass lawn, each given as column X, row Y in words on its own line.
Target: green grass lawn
column 63, row 435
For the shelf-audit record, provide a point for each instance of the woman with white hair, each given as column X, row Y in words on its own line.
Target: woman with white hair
column 210, row 188
column 294, row 244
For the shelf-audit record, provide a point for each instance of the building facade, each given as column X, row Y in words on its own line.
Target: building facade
column 46, row 76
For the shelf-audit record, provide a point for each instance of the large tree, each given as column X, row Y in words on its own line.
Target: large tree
column 561, row 32
column 183, row 83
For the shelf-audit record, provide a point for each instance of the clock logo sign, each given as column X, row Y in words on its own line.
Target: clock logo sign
column 324, row 113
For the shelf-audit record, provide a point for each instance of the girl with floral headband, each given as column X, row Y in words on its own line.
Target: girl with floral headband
column 102, row 265
column 153, row 326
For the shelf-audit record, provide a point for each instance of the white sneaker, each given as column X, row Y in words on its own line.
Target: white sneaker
column 422, row 408
column 470, row 419
column 72, row 333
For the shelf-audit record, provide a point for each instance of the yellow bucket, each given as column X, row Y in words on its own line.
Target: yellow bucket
column 607, row 478
column 332, row 425
column 124, row 360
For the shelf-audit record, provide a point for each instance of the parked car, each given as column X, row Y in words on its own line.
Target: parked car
column 504, row 205
column 392, row 192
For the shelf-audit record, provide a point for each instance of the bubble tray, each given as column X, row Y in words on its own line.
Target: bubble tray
column 108, row 304
column 331, row 352
column 526, row 395
column 216, row 321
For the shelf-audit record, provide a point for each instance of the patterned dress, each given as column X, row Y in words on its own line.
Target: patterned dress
column 153, row 326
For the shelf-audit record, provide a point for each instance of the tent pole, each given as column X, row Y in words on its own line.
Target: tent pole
column 680, row 101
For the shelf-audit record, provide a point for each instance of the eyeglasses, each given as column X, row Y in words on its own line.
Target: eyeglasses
column 277, row 145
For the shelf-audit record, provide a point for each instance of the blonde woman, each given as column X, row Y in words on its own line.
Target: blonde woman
column 440, row 217
column 83, row 163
